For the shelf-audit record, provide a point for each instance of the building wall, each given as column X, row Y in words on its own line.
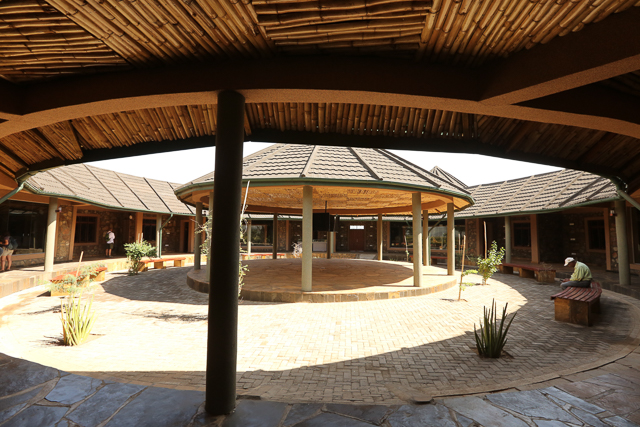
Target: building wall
column 295, row 233
column 282, row 235
column 518, row 253
column 116, row 220
column 574, row 238
column 471, row 231
column 550, row 227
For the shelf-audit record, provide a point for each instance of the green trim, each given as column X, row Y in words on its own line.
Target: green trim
column 326, row 182
column 93, row 202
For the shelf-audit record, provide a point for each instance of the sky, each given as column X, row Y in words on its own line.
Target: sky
column 183, row 166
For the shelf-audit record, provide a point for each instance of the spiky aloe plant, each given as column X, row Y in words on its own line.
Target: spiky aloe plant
column 77, row 320
column 492, row 337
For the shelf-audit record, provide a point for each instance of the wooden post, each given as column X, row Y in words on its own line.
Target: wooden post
column 307, row 237
column 72, row 238
column 451, row 240
column 624, row 269
column 507, row 239
column 159, row 235
column 274, row 237
column 535, row 251
column 197, row 238
column 607, row 238
column 380, row 238
column 50, row 248
column 249, row 239
column 426, row 240
column 417, row 239
column 222, row 338
column 139, row 218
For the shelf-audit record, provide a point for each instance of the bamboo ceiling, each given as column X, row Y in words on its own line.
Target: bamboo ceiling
column 54, row 40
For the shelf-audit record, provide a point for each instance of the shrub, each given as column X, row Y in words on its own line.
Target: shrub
column 489, row 265
column 77, row 320
column 492, row 337
column 136, row 251
column 73, row 284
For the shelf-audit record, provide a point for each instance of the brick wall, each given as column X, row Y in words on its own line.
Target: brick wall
column 550, row 232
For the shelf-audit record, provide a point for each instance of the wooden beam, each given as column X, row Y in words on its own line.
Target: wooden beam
column 595, row 53
column 535, row 252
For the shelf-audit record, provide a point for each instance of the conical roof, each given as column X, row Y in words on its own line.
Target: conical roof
column 373, row 180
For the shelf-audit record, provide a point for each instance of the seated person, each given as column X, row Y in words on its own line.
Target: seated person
column 581, row 277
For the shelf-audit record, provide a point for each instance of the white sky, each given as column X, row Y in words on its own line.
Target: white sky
column 184, row 166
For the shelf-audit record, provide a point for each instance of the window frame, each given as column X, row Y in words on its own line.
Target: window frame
column 588, row 235
column 75, row 231
column 513, row 234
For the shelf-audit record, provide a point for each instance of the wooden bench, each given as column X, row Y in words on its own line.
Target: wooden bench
column 435, row 258
column 541, row 274
column 159, row 263
column 578, row 305
column 98, row 276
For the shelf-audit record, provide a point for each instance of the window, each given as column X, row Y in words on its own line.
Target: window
column 595, row 235
column 86, row 229
column 522, row 234
column 261, row 232
column 356, row 227
column 398, row 232
column 26, row 222
column 149, row 230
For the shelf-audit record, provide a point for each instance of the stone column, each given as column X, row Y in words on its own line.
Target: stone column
column 50, row 248
column 274, row 237
column 451, row 240
column 197, row 238
column 159, row 234
column 507, row 239
column 249, row 239
column 624, row 270
column 222, row 338
column 416, row 199
column 380, row 238
column 307, row 237
column 426, row 242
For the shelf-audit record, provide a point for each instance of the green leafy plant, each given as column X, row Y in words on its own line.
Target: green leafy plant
column 75, row 283
column 492, row 337
column 463, row 284
column 77, row 320
column 136, row 251
column 489, row 265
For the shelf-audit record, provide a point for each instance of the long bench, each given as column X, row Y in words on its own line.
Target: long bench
column 435, row 258
column 98, row 275
column 578, row 305
column 159, row 263
column 530, row 271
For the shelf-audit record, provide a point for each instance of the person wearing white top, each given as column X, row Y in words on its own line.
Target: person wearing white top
column 111, row 237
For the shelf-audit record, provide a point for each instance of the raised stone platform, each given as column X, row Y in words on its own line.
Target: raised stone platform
column 334, row 280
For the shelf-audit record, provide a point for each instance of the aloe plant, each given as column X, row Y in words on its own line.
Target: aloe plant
column 77, row 320
column 492, row 338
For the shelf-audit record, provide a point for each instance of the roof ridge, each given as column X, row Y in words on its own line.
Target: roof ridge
column 102, row 183
column 565, row 187
column 134, row 193
column 310, row 159
column 62, row 183
column 179, row 201
column 551, row 181
column 515, row 193
column 449, row 175
column 372, row 170
column 401, row 162
column 580, row 191
column 279, row 147
column 606, row 184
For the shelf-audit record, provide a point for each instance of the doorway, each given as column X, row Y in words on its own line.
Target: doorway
column 356, row 238
column 185, row 237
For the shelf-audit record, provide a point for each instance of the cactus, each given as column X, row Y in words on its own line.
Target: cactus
column 77, row 320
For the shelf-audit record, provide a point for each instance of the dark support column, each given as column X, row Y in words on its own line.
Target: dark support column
column 222, row 339
column 159, row 235
column 507, row 239
column 50, row 245
column 451, row 240
column 624, row 270
column 274, row 253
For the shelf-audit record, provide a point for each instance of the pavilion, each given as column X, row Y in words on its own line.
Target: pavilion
column 302, row 179
column 539, row 81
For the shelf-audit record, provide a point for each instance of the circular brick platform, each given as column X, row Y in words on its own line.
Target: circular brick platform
column 335, row 280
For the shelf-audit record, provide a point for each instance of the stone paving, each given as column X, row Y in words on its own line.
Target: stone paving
column 344, row 364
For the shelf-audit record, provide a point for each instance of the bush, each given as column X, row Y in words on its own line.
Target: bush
column 74, row 284
column 489, row 265
column 77, row 320
column 136, row 251
column 492, row 337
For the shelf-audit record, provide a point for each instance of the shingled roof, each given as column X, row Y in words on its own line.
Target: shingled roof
column 539, row 193
column 375, row 179
column 109, row 189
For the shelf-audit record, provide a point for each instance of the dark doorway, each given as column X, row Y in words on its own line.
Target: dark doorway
column 185, row 236
column 356, row 239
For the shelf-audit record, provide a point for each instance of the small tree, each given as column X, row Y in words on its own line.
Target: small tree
column 136, row 251
column 489, row 265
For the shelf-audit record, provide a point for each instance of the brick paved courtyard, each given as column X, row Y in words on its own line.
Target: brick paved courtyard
column 151, row 330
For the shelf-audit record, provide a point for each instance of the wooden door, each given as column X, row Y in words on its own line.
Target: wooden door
column 185, row 236
column 356, row 240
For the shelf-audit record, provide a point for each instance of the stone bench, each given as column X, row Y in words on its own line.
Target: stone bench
column 578, row 305
column 435, row 258
column 98, row 275
column 539, row 273
column 159, row 263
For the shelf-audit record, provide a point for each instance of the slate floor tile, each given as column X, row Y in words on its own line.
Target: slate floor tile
column 327, row 419
column 19, row 375
column 620, row 422
column 549, row 423
column 37, row 415
column 588, row 418
column 583, row 390
column 15, row 399
column 423, row 415
column 103, row 404
column 531, row 403
column 579, row 403
column 616, row 382
column 256, row 413
column 619, row 403
column 300, row 412
column 159, row 407
column 371, row 413
column 483, row 412
column 72, row 389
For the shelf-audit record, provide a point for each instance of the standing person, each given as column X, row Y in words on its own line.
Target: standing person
column 8, row 244
column 111, row 237
column 581, row 277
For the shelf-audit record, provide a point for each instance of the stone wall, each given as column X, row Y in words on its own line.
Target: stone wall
column 574, row 238
column 550, row 232
column 295, row 233
column 471, row 231
column 282, row 236
column 117, row 221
